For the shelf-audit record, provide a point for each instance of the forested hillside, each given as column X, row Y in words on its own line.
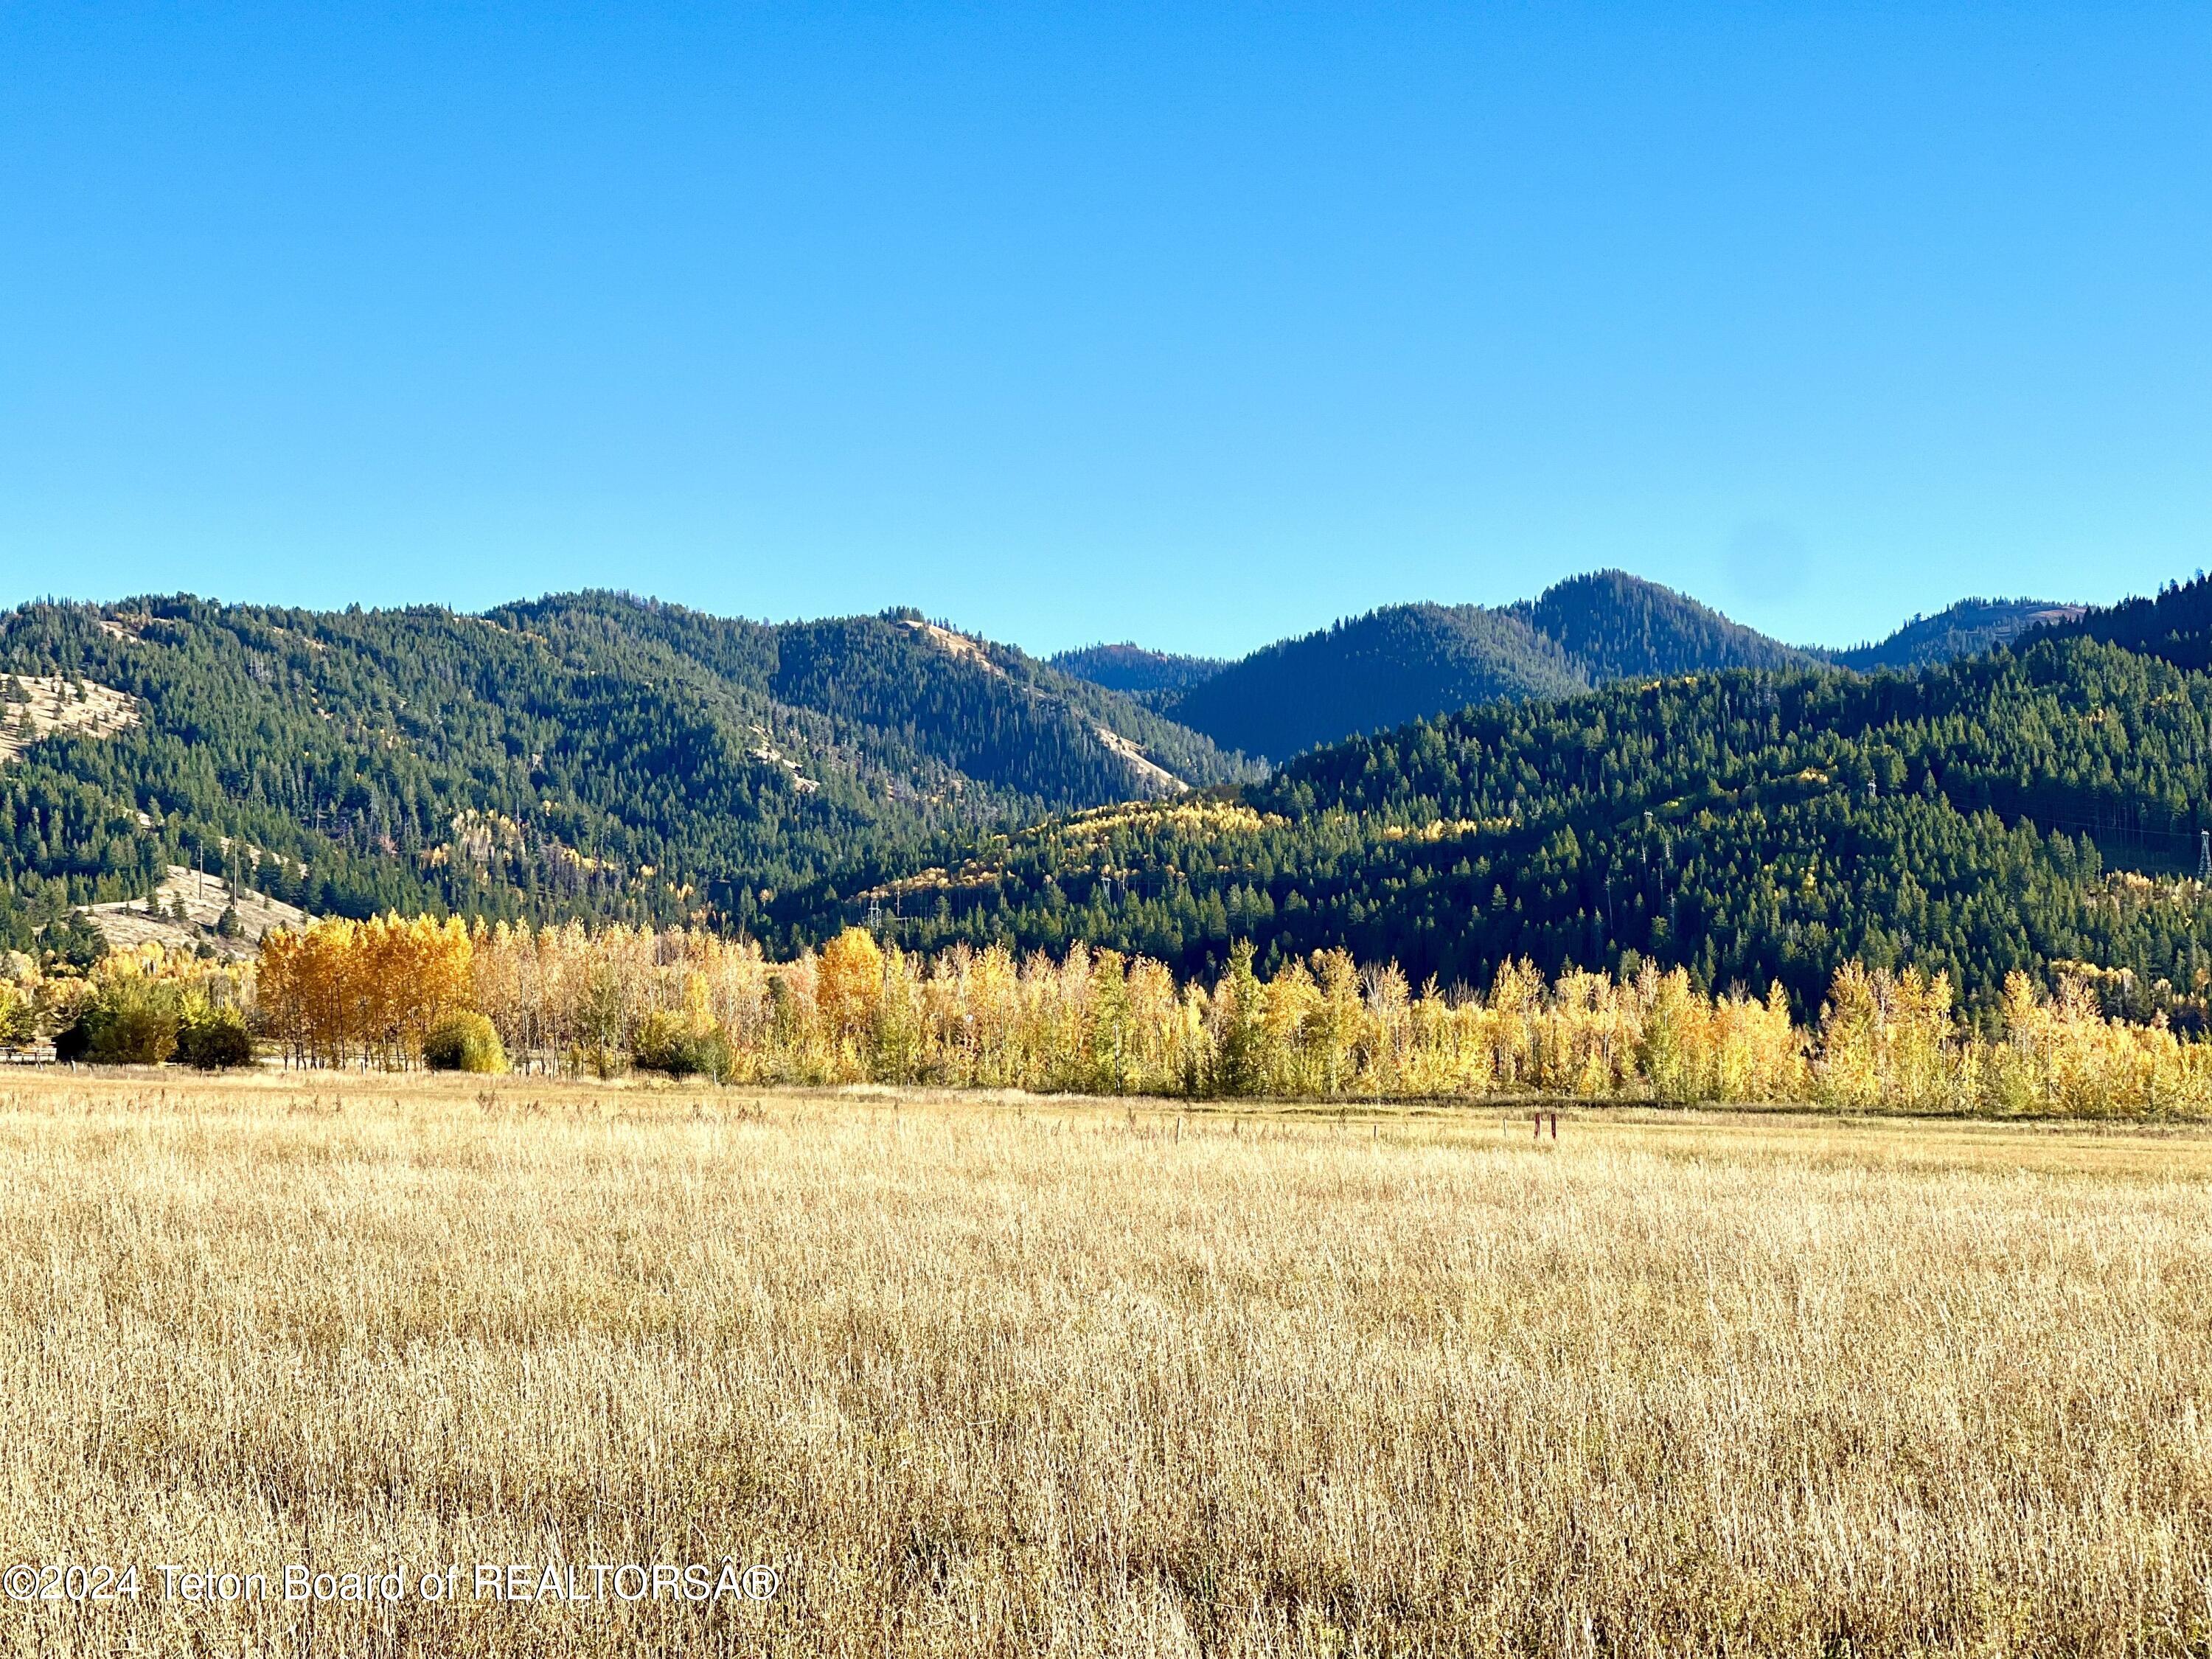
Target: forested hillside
column 586, row 754
column 1371, row 672
column 1963, row 629
column 1405, row 662
column 1131, row 668
column 1614, row 626
column 1749, row 825
column 2175, row 625
column 596, row 755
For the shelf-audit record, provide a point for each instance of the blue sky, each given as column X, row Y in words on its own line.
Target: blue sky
column 1194, row 326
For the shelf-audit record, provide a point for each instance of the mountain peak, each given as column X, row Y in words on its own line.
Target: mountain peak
column 1617, row 626
column 1405, row 661
column 1130, row 667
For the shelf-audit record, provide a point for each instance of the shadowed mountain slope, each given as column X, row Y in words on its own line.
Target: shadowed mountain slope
column 1964, row 629
column 1615, row 626
column 1370, row 671
column 2175, row 624
column 1404, row 662
column 1132, row 669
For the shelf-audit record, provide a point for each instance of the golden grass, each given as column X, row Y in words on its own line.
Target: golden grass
column 1013, row 1377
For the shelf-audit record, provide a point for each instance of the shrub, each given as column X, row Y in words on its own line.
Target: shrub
column 601, row 1061
column 212, row 1037
column 665, row 1043
column 129, row 1022
column 464, row 1042
column 711, row 1056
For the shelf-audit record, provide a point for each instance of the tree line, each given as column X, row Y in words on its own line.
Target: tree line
column 393, row 993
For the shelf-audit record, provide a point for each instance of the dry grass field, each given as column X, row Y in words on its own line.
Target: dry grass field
column 995, row 1377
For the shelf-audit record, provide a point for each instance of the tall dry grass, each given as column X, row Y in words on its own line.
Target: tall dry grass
column 998, row 1378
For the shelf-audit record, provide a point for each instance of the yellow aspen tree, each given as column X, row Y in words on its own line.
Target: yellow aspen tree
column 849, row 980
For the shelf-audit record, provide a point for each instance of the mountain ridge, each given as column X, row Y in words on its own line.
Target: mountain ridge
column 1403, row 662
column 1131, row 668
column 2019, row 810
column 2175, row 624
column 599, row 755
column 1964, row 629
column 588, row 754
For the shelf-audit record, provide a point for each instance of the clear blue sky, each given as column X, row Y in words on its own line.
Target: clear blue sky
column 1195, row 325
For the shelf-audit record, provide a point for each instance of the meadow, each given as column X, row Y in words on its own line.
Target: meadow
column 992, row 1374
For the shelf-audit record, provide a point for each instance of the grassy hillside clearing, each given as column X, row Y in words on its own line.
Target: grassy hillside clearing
column 203, row 899
column 36, row 706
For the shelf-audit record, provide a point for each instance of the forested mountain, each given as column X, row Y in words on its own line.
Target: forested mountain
column 1751, row 825
column 598, row 754
column 1614, row 626
column 2175, row 625
column 1964, row 629
column 1371, row 672
column 590, row 754
column 1132, row 669
column 1404, row 662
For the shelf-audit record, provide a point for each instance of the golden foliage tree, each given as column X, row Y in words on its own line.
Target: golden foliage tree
column 566, row 998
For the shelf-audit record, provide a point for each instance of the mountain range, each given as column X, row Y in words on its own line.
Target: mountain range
column 589, row 754
column 1402, row 662
column 600, row 754
column 2034, row 810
